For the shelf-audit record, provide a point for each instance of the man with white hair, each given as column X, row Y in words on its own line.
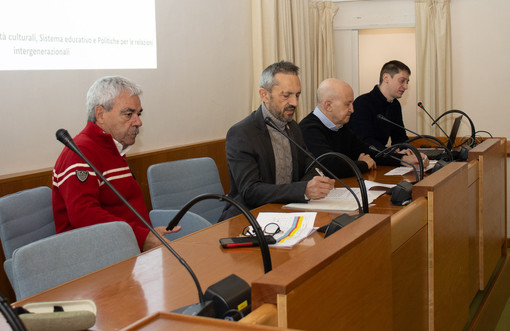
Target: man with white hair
column 80, row 198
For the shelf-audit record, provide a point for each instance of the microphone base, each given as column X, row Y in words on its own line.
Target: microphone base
column 231, row 297
column 197, row 309
column 402, row 193
column 439, row 164
column 338, row 223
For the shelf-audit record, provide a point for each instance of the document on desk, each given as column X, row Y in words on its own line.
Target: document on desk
column 399, row 171
column 341, row 200
column 294, row 227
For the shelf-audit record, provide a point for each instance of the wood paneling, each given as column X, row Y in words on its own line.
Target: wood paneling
column 139, row 163
column 492, row 202
column 410, row 267
column 341, row 283
column 448, row 246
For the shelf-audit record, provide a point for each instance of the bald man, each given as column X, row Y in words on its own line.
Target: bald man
column 324, row 131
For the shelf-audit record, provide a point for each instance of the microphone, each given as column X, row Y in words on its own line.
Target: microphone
column 473, row 131
column 416, row 153
column 401, row 194
column 426, row 112
column 387, row 153
column 344, row 219
column 431, row 139
column 264, row 248
column 357, row 173
column 203, row 308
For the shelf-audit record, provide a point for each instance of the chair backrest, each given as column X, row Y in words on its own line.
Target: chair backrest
column 65, row 256
column 172, row 184
column 25, row 217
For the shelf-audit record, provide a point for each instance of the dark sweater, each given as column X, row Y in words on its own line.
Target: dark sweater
column 372, row 130
column 320, row 140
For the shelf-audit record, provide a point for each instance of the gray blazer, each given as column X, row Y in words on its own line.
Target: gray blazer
column 252, row 166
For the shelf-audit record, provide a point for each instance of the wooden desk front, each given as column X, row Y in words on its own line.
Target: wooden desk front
column 146, row 284
column 155, row 282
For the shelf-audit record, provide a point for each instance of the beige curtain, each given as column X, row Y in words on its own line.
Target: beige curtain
column 281, row 31
column 322, row 14
column 434, row 61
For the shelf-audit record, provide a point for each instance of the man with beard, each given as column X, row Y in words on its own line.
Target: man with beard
column 264, row 166
column 383, row 99
column 80, row 198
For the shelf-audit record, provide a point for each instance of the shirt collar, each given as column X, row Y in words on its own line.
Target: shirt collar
column 326, row 121
column 120, row 147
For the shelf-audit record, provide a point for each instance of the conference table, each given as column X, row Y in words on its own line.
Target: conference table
column 369, row 268
column 155, row 281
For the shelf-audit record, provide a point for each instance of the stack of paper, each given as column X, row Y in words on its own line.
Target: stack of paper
column 294, row 227
column 340, row 199
column 400, row 171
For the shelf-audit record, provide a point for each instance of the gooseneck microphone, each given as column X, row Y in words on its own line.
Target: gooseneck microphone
column 415, row 151
column 344, row 219
column 439, row 143
column 357, row 173
column 430, row 116
column 264, row 249
column 401, row 194
column 473, row 131
column 203, row 308
column 431, row 139
column 387, row 152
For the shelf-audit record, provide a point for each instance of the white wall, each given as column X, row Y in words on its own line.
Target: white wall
column 369, row 34
column 201, row 87
column 481, row 63
column 378, row 46
column 480, row 51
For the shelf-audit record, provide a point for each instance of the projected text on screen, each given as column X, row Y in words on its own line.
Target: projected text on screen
column 70, row 34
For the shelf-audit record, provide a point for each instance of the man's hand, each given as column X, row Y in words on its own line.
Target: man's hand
column 411, row 158
column 152, row 241
column 318, row 187
column 368, row 160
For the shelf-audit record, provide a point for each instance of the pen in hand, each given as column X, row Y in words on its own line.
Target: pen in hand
column 319, row 172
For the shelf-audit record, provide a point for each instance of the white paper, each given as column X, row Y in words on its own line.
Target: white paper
column 341, row 200
column 294, row 226
column 404, row 170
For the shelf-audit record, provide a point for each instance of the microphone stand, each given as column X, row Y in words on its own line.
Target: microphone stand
column 385, row 153
column 264, row 248
column 344, row 219
column 418, row 136
column 473, row 131
column 402, row 193
column 415, row 152
column 439, row 142
column 357, row 173
column 203, row 308
column 430, row 116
